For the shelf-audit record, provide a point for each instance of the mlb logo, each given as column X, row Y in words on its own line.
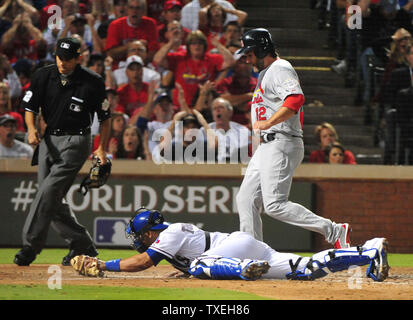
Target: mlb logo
column 110, row 231
column 65, row 45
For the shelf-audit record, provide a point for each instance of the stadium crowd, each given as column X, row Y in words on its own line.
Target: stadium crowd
column 175, row 60
column 377, row 59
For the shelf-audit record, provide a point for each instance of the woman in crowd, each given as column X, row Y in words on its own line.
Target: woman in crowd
column 335, row 153
column 130, row 145
column 326, row 135
column 118, row 125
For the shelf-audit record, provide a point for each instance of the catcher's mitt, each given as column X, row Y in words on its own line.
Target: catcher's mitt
column 87, row 266
column 98, row 175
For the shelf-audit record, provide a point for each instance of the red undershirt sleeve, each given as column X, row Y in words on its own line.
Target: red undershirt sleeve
column 294, row 102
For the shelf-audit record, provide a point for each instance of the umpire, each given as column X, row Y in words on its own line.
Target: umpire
column 68, row 95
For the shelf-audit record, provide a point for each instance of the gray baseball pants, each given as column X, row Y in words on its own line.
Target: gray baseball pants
column 267, row 182
column 60, row 159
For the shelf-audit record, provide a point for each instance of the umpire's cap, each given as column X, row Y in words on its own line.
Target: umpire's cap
column 258, row 40
column 68, row 48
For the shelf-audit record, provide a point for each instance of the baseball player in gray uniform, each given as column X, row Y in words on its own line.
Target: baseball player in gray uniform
column 276, row 113
column 237, row 255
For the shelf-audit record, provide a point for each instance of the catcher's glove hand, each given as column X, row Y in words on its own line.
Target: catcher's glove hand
column 98, row 175
column 87, row 266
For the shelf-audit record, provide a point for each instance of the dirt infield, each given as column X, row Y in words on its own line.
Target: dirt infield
column 338, row 286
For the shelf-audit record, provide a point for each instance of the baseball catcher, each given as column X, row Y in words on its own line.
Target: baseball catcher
column 98, row 175
column 223, row 256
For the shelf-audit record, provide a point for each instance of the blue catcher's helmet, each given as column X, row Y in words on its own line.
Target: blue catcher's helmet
column 143, row 221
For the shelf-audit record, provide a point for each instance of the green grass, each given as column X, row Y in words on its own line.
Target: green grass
column 69, row 292
column 54, row 256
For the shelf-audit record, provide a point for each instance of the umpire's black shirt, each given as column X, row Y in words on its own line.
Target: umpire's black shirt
column 70, row 103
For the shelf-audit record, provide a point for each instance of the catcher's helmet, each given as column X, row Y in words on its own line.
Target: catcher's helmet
column 143, row 221
column 258, row 40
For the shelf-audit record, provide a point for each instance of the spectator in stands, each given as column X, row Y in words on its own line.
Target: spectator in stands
column 23, row 40
column 118, row 124
column 135, row 26
column 212, row 21
column 130, row 145
column 137, row 48
column 171, row 12
column 400, row 78
column 10, row 9
column 204, row 97
column 102, row 66
column 9, row 146
column 232, row 33
column 326, row 134
column 24, row 70
column 232, row 138
column 134, row 94
column 397, row 97
column 9, row 76
column 335, row 153
column 83, row 25
column 190, row 12
column 397, row 57
column 185, row 143
column 163, row 110
column 84, row 50
column 102, row 10
column 120, row 8
column 154, row 9
column 174, row 30
column 6, row 107
column 238, row 89
column 196, row 65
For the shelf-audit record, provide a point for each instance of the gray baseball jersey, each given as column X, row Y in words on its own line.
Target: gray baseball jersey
column 275, row 83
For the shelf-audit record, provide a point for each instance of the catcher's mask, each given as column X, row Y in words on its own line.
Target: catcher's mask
column 98, row 175
column 258, row 40
column 143, row 221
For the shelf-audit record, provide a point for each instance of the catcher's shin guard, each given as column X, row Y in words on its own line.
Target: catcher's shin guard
column 220, row 268
column 331, row 261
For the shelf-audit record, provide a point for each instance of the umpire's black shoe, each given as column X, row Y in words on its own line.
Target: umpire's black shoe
column 25, row 256
column 89, row 251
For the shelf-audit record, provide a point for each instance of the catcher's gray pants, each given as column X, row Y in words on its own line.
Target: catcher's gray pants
column 60, row 159
column 267, row 182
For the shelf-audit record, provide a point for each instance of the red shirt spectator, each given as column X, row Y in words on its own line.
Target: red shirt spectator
column 130, row 100
column 189, row 73
column 121, row 31
column 154, row 9
column 318, row 156
column 133, row 95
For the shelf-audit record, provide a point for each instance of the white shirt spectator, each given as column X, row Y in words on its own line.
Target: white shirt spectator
column 191, row 10
column 18, row 150
column 14, row 84
column 233, row 143
column 148, row 75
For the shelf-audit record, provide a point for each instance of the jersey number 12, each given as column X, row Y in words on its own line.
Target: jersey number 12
column 260, row 112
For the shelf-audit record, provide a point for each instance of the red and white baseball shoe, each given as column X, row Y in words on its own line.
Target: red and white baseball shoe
column 343, row 240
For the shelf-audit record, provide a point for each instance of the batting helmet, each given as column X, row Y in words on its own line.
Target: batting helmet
column 258, row 40
column 143, row 221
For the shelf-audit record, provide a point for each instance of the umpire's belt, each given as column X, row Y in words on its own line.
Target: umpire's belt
column 74, row 132
column 267, row 137
column 207, row 240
